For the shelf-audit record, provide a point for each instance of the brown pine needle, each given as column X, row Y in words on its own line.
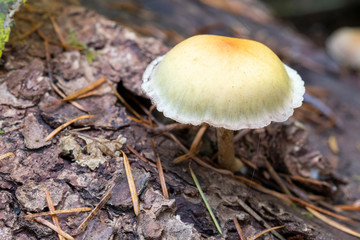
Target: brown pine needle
column 132, row 188
column 140, row 121
column 263, row 232
column 61, row 94
column 258, row 218
column 294, row 199
column 80, row 92
column 52, row 208
column 238, row 228
column 198, row 137
column 58, row 32
column 184, row 157
column 86, row 89
column 91, row 93
column 333, row 144
column 353, row 207
column 83, row 225
column 333, row 223
column 61, row 127
column 286, row 198
column 160, row 171
column 194, row 146
column 131, row 149
column 62, row 211
column 196, row 159
column 31, row 31
column 122, row 100
column 53, row 227
column 6, row 155
column 276, row 177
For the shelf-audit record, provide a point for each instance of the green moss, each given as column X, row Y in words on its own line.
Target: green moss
column 90, row 54
column 74, row 41
column 356, row 178
column 307, row 214
column 7, row 10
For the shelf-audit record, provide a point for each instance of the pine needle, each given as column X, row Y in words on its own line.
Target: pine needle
column 122, row 100
column 353, row 207
column 238, row 228
column 258, row 218
column 58, row 91
column 132, row 188
column 204, row 199
column 194, row 146
column 61, row 127
column 80, row 92
column 160, row 171
column 263, row 232
column 6, row 155
column 62, row 211
column 52, row 208
column 53, row 227
column 333, row 223
column 83, row 225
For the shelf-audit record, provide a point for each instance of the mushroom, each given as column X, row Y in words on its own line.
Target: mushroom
column 228, row 83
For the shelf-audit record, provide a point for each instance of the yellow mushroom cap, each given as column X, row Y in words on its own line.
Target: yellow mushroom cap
column 225, row 82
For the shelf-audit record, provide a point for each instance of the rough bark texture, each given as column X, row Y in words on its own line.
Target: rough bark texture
column 122, row 55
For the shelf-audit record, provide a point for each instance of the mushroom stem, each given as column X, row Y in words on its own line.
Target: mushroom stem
column 226, row 154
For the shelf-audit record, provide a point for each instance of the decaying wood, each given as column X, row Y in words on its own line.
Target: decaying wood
column 305, row 162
